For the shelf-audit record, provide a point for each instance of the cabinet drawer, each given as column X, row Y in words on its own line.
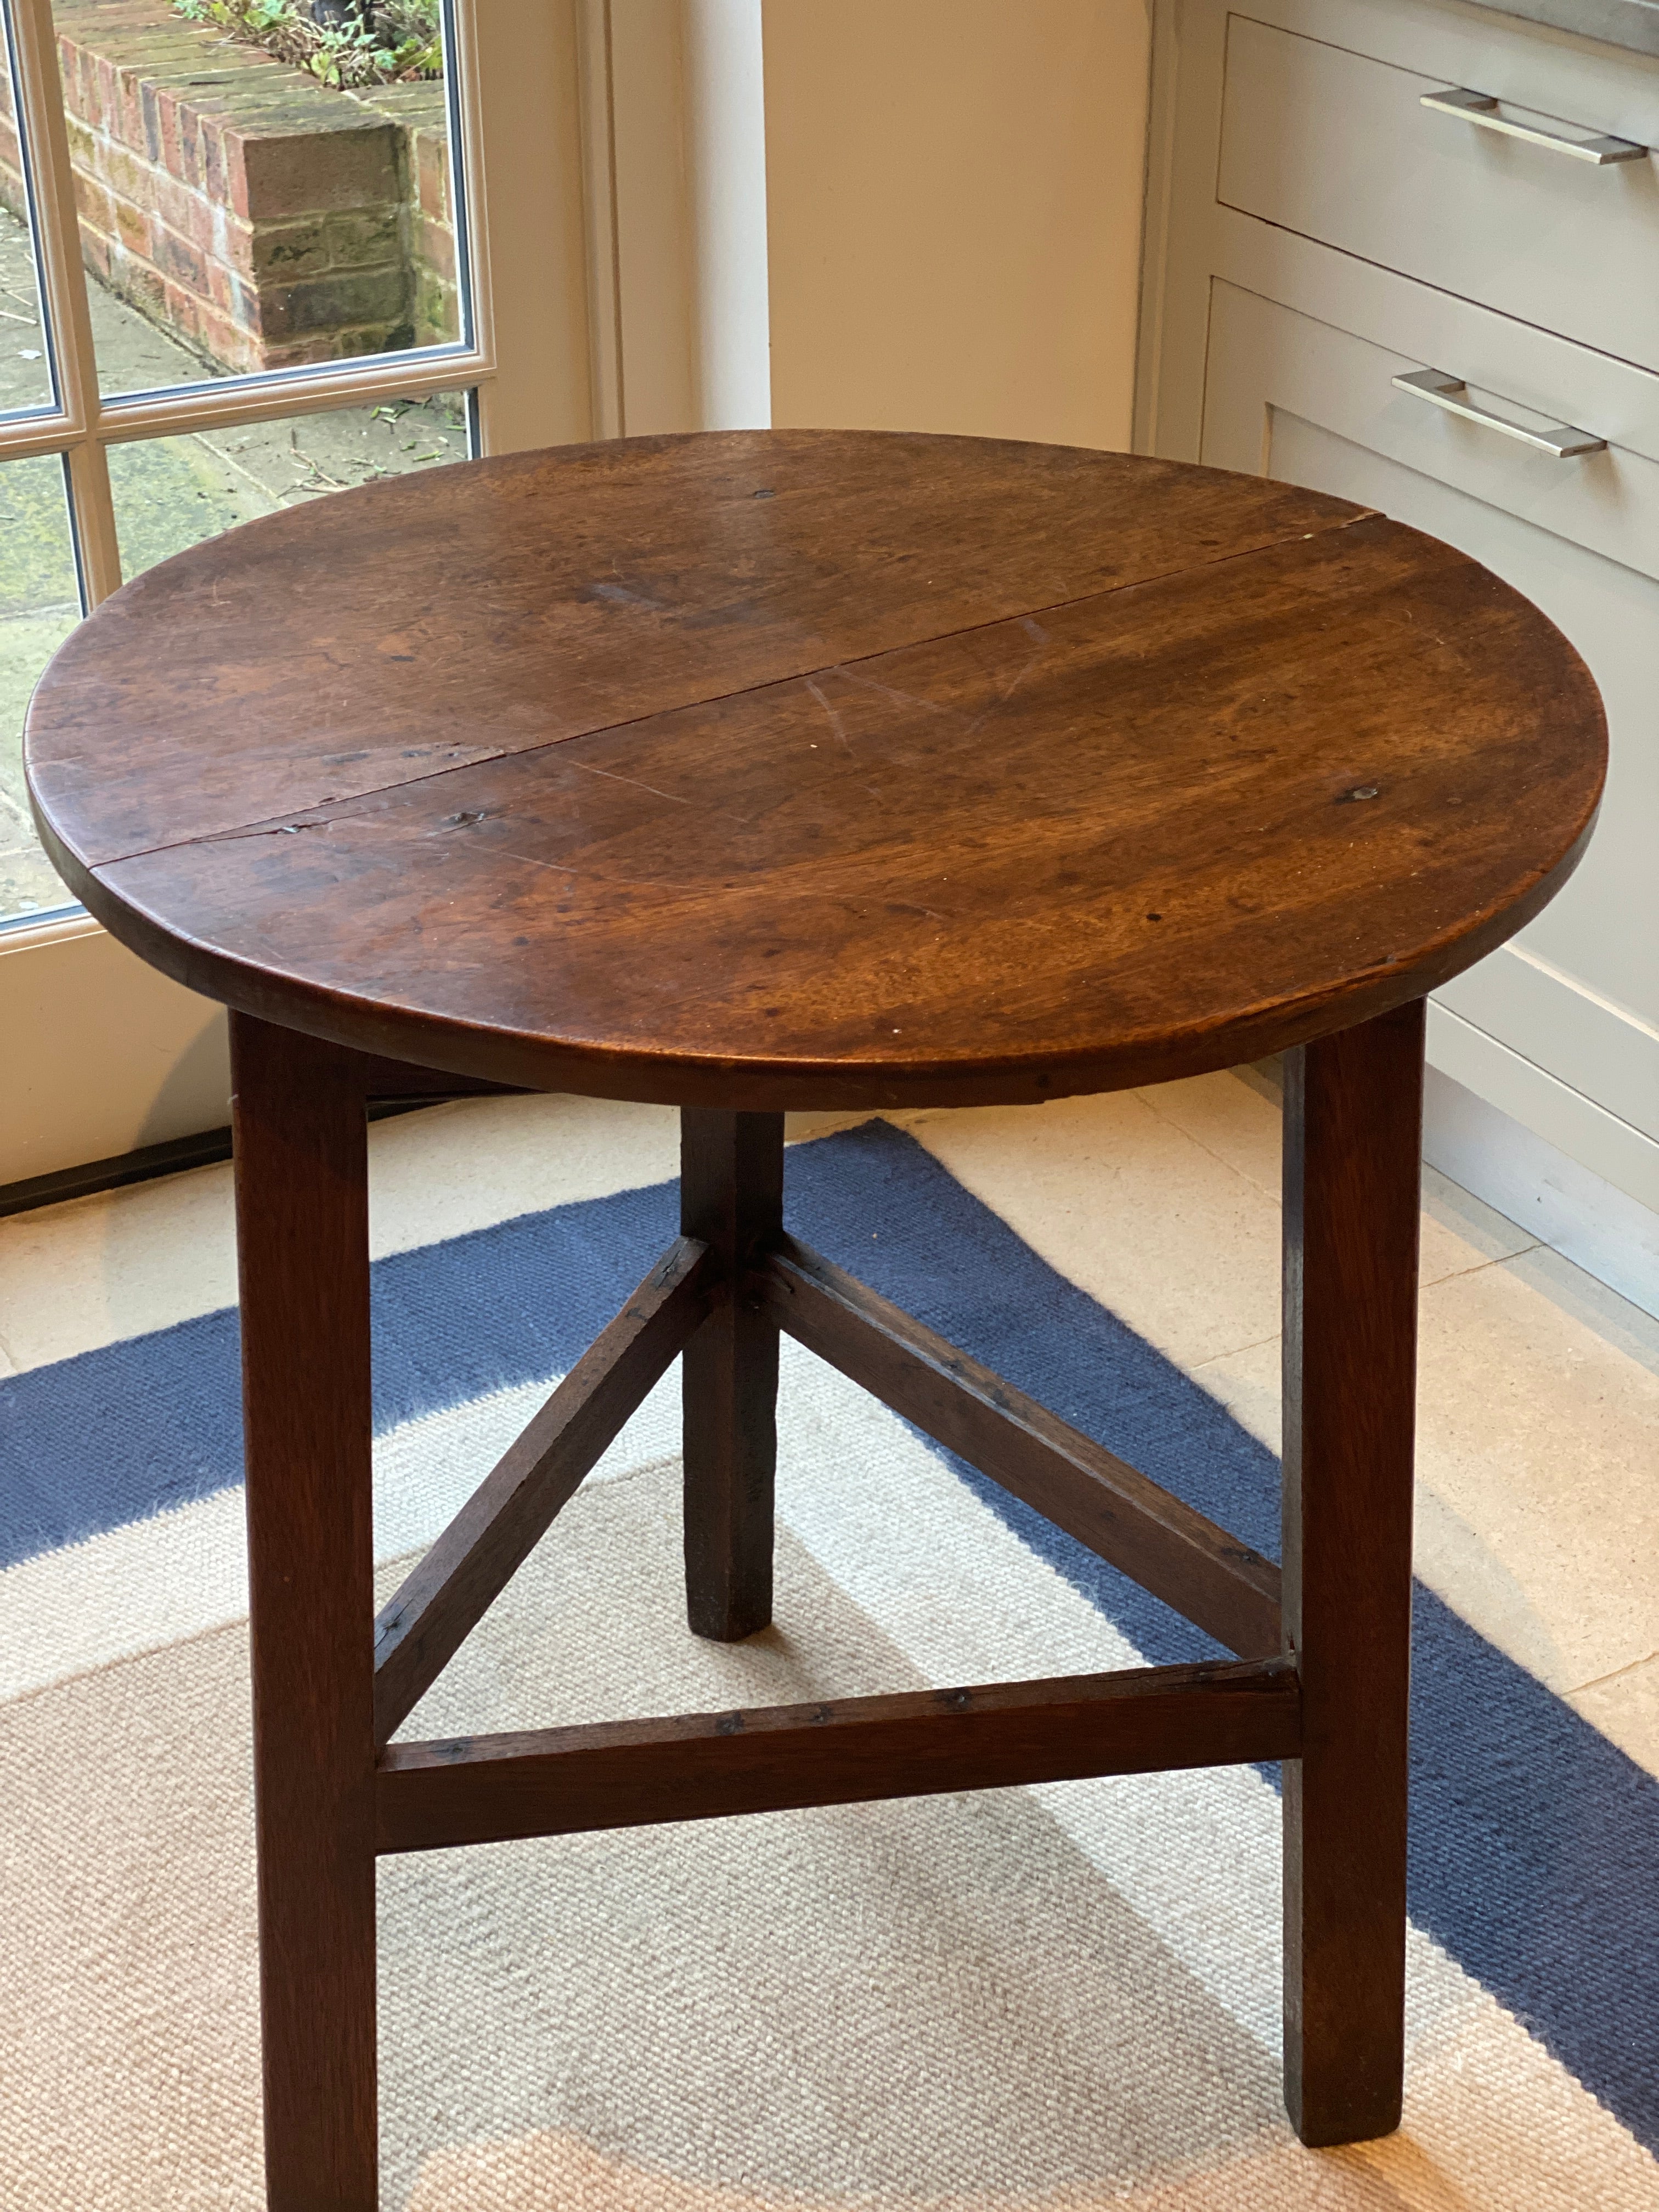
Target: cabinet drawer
column 1337, row 146
column 1568, row 1013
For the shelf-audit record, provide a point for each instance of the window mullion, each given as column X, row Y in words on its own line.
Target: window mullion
column 85, row 423
column 64, row 281
column 91, row 505
column 330, row 385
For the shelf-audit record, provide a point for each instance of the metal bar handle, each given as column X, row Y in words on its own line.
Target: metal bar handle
column 1480, row 107
column 1558, row 439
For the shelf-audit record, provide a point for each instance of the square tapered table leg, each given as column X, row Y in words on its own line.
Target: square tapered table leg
column 302, row 1234
column 731, row 1198
column 1352, row 1149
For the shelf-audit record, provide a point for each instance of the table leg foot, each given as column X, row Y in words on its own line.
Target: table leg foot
column 302, row 1232
column 1352, row 1149
column 732, row 1197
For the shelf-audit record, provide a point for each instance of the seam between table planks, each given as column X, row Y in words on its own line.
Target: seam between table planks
column 294, row 818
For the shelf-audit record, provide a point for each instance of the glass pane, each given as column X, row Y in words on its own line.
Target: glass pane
column 173, row 492
column 261, row 184
column 25, row 366
column 40, row 605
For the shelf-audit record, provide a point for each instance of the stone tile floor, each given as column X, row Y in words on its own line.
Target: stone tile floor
column 170, row 493
column 1538, row 1505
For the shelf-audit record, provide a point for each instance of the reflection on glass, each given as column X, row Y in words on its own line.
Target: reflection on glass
column 171, row 493
column 25, row 369
column 261, row 184
column 39, row 604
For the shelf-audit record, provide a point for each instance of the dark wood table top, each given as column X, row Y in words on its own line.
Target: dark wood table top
column 811, row 769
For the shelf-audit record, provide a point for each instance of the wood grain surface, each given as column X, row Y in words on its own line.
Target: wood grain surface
column 793, row 770
column 412, row 626
column 1353, row 1149
column 446, row 1594
column 700, row 1767
column 731, row 1201
column 303, row 1241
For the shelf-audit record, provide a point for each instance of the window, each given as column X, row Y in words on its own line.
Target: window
column 238, row 269
column 128, row 430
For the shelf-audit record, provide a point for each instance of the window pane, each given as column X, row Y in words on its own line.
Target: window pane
column 261, row 184
column 39, row 604
column 173, row 492
column 24, row 368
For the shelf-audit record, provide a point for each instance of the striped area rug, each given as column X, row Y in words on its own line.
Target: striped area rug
column 1028, row 2000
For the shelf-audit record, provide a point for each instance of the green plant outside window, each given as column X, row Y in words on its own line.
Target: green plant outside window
column 342, row 43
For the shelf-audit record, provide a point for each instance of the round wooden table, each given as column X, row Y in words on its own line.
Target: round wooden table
column 800, row 769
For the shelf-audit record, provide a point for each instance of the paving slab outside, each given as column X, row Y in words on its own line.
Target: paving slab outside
column 170, row 493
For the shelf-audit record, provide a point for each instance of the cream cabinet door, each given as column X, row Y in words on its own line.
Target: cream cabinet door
column 1560, row 1028
column 1338, row 146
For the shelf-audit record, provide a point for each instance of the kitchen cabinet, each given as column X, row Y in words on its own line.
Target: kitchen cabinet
column 1341, row 241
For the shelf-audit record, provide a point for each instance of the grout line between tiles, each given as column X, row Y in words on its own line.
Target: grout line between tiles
column 1456, row 1275
column 1618, row 1675
column 1463, row 1275
column 1237, row 1351
column 1274, row 1198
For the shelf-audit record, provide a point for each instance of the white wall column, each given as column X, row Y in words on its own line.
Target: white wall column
column 724, row 91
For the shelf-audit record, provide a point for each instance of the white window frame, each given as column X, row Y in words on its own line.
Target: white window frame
column 85, row 422
column 102, row 1055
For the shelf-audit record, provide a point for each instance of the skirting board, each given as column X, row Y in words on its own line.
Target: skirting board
column 1600, row 1105
column 1475, row 1144
column 1518, row 1174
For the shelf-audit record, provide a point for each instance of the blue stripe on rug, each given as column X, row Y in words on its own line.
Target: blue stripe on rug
column 154, row 1421
column 1533, row 1839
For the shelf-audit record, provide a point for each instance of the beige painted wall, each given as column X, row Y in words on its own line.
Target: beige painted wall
column 101, row 1053
column 529, row 92
column 954, row 194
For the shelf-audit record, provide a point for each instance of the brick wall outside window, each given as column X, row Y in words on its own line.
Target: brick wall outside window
column 245, row 208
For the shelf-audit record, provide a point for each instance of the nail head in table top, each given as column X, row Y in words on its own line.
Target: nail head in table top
column 1121, row 834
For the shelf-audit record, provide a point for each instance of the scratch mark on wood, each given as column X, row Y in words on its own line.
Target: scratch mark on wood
column 611, row 776
column 830, row 714
column 898, row 698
